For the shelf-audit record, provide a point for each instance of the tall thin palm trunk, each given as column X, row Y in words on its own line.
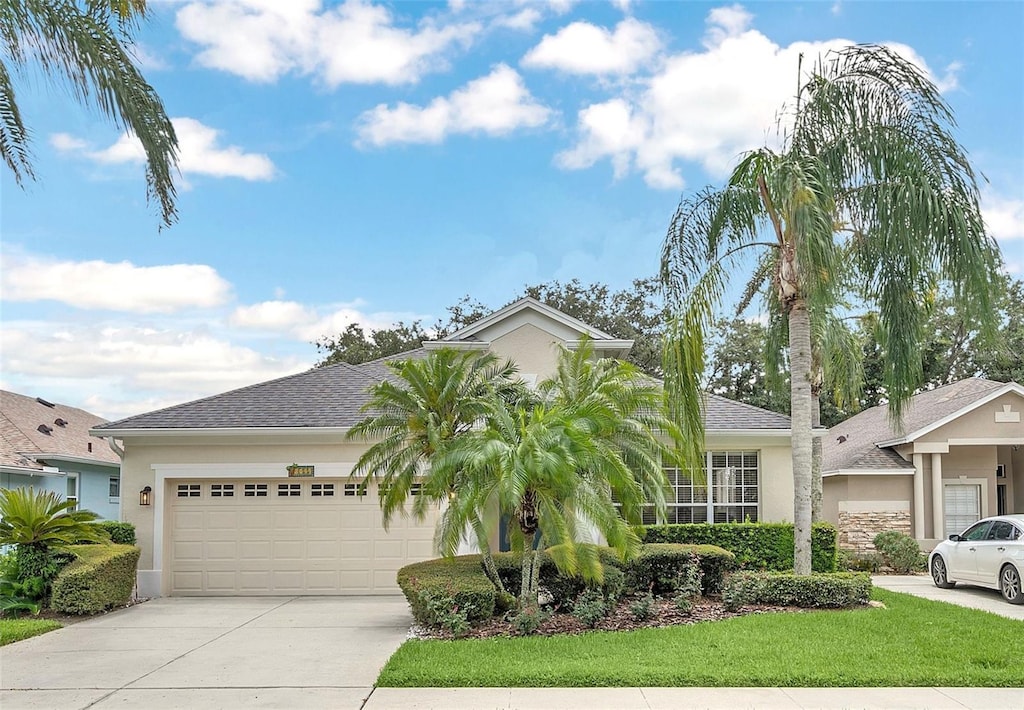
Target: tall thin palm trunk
column 800, row 397
column 817, row 492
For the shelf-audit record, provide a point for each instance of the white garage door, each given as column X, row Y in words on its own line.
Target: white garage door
column 286, row 536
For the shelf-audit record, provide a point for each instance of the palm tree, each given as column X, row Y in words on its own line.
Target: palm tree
column 585, row 456
column 870, row 193
column 85, row 45
column 431, row 402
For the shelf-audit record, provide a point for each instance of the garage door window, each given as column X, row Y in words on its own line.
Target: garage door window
column 289, row 490
column 188, row 490
column 222, row 490
column 322, row 490
column 255, row 490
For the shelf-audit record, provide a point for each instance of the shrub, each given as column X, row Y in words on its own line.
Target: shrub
column 829, row 591
column 102, row 577
column 683, row 602
column 642, row 609
column 459, row 579
column 37, row 566
column 590, row 607
column 899, row 552
column 445, row 611
column 663, row 569
column 758, row 546
column 527, row 621
column 564, row 590
column 14, row 600
column 868, row 562
column 119, row 532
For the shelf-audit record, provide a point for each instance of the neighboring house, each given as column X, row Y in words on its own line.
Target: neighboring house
column 956, row 458
column 48, row 446
column 248, row 490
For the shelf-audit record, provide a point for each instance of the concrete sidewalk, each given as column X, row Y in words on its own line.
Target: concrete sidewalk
column 961, row 595
column 702, row 698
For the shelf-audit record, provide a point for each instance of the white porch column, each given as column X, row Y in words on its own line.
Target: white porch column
column 919, row 496
column 937, row 504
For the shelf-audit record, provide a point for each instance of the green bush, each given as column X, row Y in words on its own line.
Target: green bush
column 757, row 546
column 829, row 591
column 458, row 579
column 662, row 568
column 527, row 621
column 899, row 552
column 642, row 609
column 590, row 607
column 101, row 577
column 37, row 566
column 120, row 533
column 564, row 590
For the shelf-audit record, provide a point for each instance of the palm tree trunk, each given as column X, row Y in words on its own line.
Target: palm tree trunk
column 486, row 556
column 530, row 579
column 816, row 482
column 800, row 420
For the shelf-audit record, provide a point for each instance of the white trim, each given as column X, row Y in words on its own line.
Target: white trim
column 44, row 471
column 747, row 432
column 520, row 305
column 988, row 441
column 70, row 459
column 619, row 346
column 869, row 472
column 995, row 394
column 931, row 448
column 964, row 481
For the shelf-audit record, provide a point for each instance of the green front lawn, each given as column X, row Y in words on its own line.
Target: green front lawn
column 912, row 642
column 12, row 630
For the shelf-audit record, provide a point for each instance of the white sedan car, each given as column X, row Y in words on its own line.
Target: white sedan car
column 990, row 553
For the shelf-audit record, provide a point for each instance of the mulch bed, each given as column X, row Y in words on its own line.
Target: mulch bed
column 621, row 618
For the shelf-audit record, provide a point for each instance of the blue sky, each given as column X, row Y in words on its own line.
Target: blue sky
column 375, row 162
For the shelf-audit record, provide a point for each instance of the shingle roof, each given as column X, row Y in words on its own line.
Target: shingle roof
column 861, row 433
column 22, row 442
column 333, row 396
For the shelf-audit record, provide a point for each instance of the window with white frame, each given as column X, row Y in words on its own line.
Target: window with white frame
column 114, row 487
column 72, row 489
column 725, row 492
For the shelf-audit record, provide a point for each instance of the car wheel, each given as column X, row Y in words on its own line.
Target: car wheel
column 939, row 574
column 1009, row 585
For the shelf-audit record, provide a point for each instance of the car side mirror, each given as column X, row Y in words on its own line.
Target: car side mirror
column 954, row 537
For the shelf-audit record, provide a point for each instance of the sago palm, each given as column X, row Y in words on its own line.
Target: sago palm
column 44, row 519
column 411, row 420
column 871, row 199
column 83, row 45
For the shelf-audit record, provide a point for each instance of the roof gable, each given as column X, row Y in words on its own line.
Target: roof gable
column 525, row 310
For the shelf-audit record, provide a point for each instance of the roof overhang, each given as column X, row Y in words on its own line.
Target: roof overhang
column 25, row 471
column 994, row 394
column 456, row 344
column 69, row 459
column 868, row 472
column 160, row 432
column 521, row 305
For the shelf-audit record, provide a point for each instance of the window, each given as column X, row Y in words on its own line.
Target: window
column 255, row 490
column 188, row 490
column 1001, row 530
column 977, row 532
column 727, row 491
column 354, row 489
column 222, row 490
column 72, row 489
column 289, row 490
column 322, row 490
column 416, row 489
column 114, row 487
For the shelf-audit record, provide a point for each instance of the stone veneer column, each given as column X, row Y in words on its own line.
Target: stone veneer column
column 919, row 496
column 937, row 503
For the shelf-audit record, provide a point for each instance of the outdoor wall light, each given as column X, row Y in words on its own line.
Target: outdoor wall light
column 146, row 495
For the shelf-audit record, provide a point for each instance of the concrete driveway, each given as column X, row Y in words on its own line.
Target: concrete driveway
column 962, row 594
column 255, row 652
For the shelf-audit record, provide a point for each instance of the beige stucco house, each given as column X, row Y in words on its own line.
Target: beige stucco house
column 956, row 458
column 247, row 492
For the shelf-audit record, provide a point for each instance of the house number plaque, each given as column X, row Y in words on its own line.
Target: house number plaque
column 296, row 471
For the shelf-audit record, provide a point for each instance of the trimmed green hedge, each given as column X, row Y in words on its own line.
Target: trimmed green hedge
column 461, row 579
column 659, row 566
column 121, row 533
column 757, row 546
column 101, row 577
column 835, row 590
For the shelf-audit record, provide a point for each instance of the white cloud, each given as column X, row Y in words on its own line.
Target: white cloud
column 583, row 48
column 65, row 142
column 705, row 107
column 622, row 5
column 525, row 19
column 306, row 323
column 123, row 369
column 496, row 105
column 199, row 152
column 1004, row 216
column 355, row 42
column 119, row 286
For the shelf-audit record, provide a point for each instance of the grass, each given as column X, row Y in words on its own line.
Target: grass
column 911, row 642
column 12, row 630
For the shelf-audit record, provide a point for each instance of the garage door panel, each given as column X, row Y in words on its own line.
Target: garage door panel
column 286, row 544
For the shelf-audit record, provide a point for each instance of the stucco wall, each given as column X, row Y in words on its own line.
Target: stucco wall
column 973, row 462
column 532, row 349
column 981, row 423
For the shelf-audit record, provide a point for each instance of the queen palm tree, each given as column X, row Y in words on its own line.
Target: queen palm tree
column 431, row 402
column 870, row 198
column 85, row 45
